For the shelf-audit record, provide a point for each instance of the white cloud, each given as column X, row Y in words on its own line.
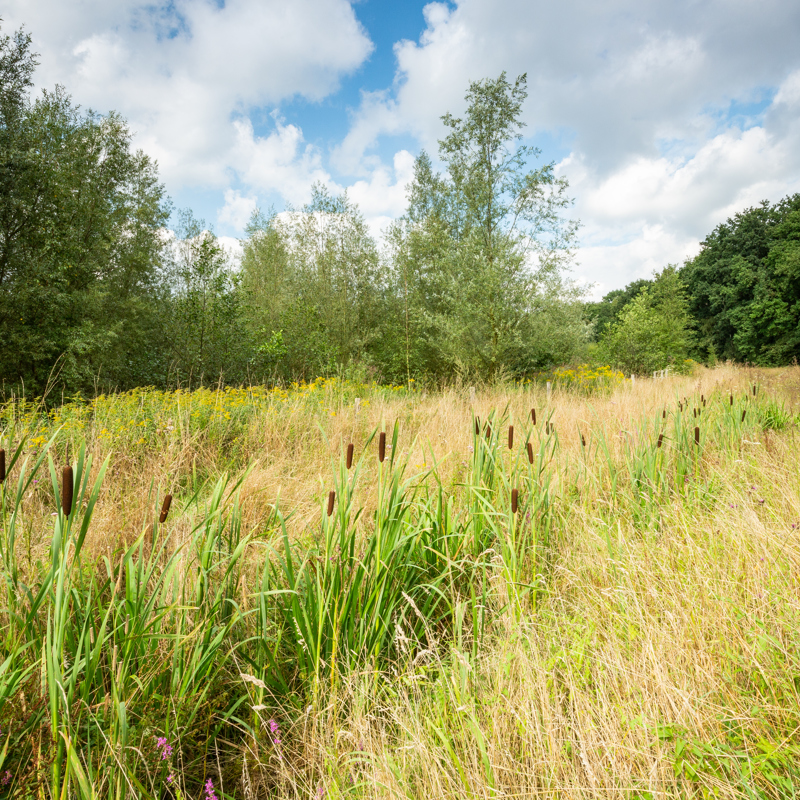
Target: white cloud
column 182, row 72
column 237, row 209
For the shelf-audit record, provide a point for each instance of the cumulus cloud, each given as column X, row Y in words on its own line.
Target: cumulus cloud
column 183, row 72
column 678, row 114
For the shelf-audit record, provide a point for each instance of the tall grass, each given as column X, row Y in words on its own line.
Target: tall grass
column 605, row 601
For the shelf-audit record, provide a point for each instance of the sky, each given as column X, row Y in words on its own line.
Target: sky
column 665, row 117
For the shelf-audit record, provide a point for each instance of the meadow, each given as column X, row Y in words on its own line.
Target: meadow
column 495, row 592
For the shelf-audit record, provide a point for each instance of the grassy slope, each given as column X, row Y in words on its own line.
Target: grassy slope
column 633, row 631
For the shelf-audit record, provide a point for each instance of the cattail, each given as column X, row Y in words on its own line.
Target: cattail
column 2, row 465
column 583, row 441
column 704, row 402
column 331, row 499
column 697, row 435
column 382, row 446
column 165, row 509
column 660, row 440
column 664, row 414
column 477, row 426
column 488, row 430
column 530, row 453
column 66, row 490
column 744, row 412
column 533, row 415
column 680, row 405
column 510, row 437
column 731, row 399
column 754, row 390
column 703, row 399
column 350, row 455
column 514, row 500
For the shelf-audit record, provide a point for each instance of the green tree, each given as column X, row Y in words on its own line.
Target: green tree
column 605, row 312
column 479, row 256
column 205, row 326
column 80, row 238
column 653, row 331
column 743, row 286
column 311, row 279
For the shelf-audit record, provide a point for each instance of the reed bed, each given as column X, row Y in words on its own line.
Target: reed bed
column 367, row 592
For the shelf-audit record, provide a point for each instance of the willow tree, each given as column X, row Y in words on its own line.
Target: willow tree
column 480, row 254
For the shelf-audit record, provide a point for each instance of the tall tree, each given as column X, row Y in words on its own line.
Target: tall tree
column 480, row 253
column 80, row 236
column 743, row 286
column 312, row 286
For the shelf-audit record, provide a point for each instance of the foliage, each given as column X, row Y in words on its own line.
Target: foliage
column 204, row 327
column 80, row 220
column 606, row 312
column 479, row 256
column 311, row 279
column 652, row 331
column 744, row 284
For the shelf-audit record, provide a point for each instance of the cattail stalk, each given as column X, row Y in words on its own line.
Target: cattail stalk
column 530, row 453
column 165, row 509
column 697, row 436
column 660, row 440
column 510, row 437
column 744, row 413
column 331, row 500
column 477, row 426
column 514, row 500
column 533, row 415
column 583, row 441
column 2, row 465
column 382, row 446
column 66, row 490
column 731, row 399
column 350, row 455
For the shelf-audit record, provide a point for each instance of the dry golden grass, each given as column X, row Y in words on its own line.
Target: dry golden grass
column 663, row 655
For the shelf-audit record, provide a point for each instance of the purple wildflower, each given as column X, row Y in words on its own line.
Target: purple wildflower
column 209, row 790
column 164, row 747
column 6, row 778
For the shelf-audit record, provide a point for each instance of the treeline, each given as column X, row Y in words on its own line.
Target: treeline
column 94, row 294
column 97, row 294
column 738, row 299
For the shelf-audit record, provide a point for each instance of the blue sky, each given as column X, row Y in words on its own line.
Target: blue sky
column 666, row 118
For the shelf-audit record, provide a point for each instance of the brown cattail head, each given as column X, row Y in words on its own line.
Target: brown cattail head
column 583, row 441
column 331, row 499
column 754, row 390
column 744, row 413
column 530, row 453
column 66, row 490
column 703, row 399
column 477, row 426
column 533, row 415
column 680, row 405
column 162, row 518
column 488, row 430
column 514, row 500
column 697, row 435
column 704, row 402
column 382, row 446
column 731, row 399
column 510, row 437
column 350, row 455
column 2, row 465
column 664, row 414
column 695, row 412
column 660, row 440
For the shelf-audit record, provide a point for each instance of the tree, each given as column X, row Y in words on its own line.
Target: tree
column 743, row 286
column 312, row 279
column 205, row 325
column 480, row 254
column 652, row 331
column 80, row 238
column 606, row 312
